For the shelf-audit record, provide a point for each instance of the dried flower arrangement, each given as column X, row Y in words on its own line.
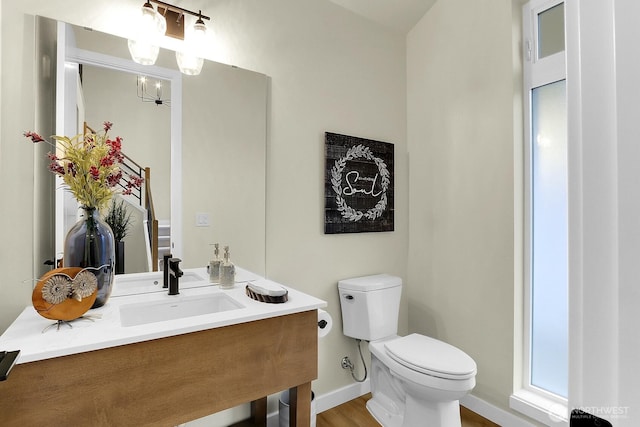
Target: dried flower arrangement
column 89, row 165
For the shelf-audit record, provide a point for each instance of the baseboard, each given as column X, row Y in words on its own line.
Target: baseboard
column 342, row 395
column 330, row 400
column 492, row 412
column 339, row 396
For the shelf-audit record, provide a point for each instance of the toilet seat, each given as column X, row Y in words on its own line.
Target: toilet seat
column 432, row 357
column 407, row 374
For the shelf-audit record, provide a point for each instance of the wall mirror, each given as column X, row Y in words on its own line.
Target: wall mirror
column 205, row 144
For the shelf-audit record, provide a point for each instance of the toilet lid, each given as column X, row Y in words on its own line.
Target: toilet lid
column 431, row 357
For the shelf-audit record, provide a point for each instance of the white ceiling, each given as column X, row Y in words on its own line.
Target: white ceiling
column 401, row 15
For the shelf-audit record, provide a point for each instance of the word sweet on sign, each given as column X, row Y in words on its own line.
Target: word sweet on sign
column 358, row 189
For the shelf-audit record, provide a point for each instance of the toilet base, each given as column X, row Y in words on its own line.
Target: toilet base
column 385, row 411
column 431, row 414
column 398, row 402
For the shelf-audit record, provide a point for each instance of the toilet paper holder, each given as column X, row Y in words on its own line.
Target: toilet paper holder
column 324, row 323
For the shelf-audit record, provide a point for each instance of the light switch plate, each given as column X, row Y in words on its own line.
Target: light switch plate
column 202, row 219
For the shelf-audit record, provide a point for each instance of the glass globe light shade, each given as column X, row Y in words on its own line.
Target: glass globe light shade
column 143, row 53
column 188, row 60
column 188, row 63
column 151, row 26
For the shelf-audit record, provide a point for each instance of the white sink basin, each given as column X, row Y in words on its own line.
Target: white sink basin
column 130, row 284
column 175, row 307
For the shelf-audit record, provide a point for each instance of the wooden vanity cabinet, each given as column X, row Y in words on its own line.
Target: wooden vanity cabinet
column 172, row 380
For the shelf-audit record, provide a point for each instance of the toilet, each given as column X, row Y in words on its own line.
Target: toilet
column 416, row 380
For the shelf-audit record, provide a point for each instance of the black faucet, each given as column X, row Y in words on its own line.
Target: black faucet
column 174, row 274
column 165, row 270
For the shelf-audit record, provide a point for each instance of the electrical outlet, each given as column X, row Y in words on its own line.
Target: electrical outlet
column 202, row 219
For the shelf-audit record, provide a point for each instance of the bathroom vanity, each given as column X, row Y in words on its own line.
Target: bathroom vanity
column 162, row 372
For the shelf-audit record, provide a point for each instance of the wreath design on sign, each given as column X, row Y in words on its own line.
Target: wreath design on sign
column 347, row 212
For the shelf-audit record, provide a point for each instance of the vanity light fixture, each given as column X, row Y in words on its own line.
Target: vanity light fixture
column 173, row 25
column 144, row 95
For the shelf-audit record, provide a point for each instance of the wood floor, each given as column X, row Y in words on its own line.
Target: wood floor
column 354, row 414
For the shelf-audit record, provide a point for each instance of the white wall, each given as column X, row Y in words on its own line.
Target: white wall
column 593, row 204
column 627, row 33
column 16, row 162
column 461, row 93
column 602, row 72
column 330, row 70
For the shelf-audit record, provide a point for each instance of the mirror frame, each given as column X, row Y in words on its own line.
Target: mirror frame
column 80, row 56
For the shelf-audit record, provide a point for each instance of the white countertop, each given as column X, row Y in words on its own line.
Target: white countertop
column 102, row 327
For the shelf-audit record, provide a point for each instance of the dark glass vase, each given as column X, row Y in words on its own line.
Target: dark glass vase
column 90, row 243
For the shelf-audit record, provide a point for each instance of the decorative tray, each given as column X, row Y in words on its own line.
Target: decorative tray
column 267, row 298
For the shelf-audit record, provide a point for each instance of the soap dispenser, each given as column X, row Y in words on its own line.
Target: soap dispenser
column 227, row 271
column 214, row 265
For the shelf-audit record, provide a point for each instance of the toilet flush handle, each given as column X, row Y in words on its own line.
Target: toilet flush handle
column 349, row 297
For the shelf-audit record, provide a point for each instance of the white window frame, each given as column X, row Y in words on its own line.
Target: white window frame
column 536, row 403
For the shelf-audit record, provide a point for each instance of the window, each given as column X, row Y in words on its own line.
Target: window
column 548, row 212
column 545, row 376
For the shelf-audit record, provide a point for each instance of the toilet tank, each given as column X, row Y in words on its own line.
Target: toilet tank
column 370, row 306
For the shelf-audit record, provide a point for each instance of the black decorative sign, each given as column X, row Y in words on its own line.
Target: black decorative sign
column 358, row 189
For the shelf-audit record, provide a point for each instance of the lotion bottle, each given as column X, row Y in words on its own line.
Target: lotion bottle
column 214, row 265
column 227, row 271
